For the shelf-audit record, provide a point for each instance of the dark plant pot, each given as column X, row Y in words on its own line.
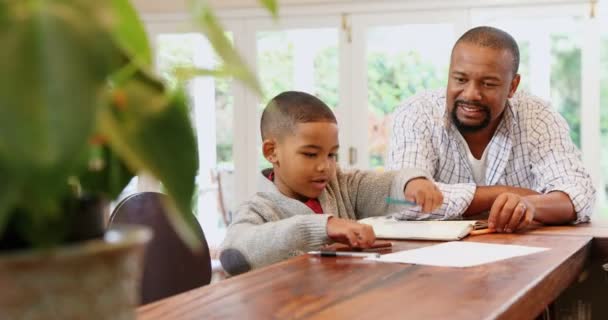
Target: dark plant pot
column 88, row 218
column 84, row 219
column 94, row 279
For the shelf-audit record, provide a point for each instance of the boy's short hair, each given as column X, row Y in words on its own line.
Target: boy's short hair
column 289, row 108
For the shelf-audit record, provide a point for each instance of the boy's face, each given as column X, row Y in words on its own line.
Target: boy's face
column 305, row 160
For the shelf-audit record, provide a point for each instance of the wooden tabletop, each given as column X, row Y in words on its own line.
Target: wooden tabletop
column 310, row 287
column 597, row 229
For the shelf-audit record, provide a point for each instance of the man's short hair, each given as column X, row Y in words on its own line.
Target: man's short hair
column 289, row 108
column 493, row 38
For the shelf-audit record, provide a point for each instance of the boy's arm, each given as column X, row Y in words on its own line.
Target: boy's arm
column 252, row 241
column 368, row 190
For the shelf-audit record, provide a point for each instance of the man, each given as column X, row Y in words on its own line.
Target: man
column 489, row 148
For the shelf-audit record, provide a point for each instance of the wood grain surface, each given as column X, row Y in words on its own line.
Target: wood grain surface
column 310, row 287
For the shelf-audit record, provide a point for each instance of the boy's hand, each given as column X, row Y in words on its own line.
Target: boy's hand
column 424, row 193
column 350, row 232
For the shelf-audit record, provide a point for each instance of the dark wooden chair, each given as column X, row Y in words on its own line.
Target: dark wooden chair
column 170, row 267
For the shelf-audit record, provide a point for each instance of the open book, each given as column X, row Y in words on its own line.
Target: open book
column 387, row 227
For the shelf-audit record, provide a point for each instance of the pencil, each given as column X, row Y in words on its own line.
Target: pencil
column 344, row 254
column 481, row 231
column 390, row 200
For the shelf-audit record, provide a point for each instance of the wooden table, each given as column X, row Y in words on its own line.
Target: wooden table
column 597, row 229
column 308, row 287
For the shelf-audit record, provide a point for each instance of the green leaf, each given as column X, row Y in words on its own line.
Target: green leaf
column 271, row 6
column 187, row 73
column 50, row 90
column 9, row 194
column 48, row 86
column 129, row 32
column 152, row 131
column 233, row 64
column 103, row 173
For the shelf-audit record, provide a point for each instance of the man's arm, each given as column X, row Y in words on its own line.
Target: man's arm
column 511, row 211
column 412, row 147
column 552, row 208
column 568, row 193
column 486, row 195
column 557, row 165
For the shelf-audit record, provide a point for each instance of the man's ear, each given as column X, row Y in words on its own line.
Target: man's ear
column 269, row 148
column 514, row 85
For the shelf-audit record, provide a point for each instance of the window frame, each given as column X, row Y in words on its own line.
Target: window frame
column 355, row 18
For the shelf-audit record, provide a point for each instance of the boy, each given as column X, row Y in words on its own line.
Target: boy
column 306, row 202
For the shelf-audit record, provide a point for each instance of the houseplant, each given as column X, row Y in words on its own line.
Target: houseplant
column 81, row 111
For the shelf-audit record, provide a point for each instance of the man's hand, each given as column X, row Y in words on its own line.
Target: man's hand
column 350, row 232
column 424, row 193
column 510, row 212
column 486, row 196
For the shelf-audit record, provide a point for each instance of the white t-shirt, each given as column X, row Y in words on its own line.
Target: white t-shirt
column 478, row 166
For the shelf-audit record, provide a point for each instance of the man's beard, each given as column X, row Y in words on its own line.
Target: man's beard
column 465, row 128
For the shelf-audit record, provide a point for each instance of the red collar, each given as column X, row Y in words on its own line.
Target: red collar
column 313, row 204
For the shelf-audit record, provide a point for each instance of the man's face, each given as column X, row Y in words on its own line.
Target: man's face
column 305, row 161
column 480, row 82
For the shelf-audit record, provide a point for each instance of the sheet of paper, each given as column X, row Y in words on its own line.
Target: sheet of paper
column 459, row 254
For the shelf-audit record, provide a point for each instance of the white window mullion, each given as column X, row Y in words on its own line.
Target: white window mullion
column 245, row 144
column 344, row 108
column 359, row 96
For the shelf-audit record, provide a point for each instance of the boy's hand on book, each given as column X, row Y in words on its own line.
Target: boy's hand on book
column 350, row 232
column 424, row 193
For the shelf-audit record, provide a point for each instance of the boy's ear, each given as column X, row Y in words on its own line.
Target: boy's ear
column 269, row 148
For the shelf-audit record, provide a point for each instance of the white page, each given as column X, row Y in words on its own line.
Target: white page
column 458, row 254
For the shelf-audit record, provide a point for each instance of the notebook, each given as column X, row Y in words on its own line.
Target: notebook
column 387, row 227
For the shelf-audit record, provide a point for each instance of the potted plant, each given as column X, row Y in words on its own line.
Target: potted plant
column 82, row 111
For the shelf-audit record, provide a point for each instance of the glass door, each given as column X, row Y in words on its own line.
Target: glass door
column 560, row 53
column 298, row 55
column 212, row 112
column 394, row 57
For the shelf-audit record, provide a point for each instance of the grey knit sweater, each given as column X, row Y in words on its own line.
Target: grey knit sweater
column 272, row 227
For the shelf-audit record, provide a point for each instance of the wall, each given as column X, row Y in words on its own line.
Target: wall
column 180, row 6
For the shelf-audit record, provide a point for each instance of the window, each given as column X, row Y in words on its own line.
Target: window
column 364, row 59
column 298, row 59
column 550, row 62
column 560, row 48
column 401, row 63
column 212, row 112
column 603, row 192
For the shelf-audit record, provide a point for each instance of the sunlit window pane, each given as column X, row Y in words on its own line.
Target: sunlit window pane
column 550, row 67
column 400, row 63
column 604, row 118
column 298, row 59
column 212, row 115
